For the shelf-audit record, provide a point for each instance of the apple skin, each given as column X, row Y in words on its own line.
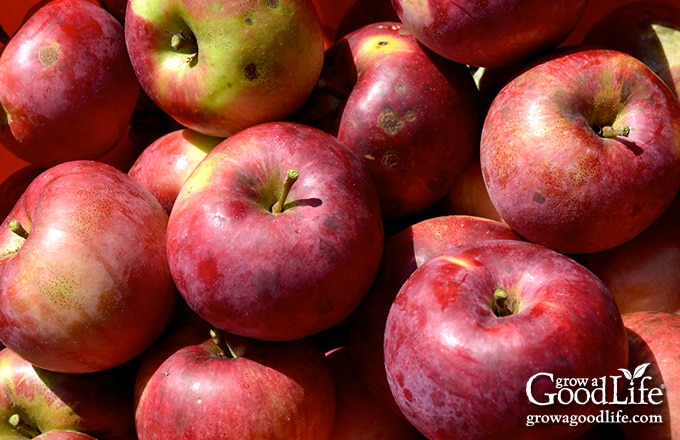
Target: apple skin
column 276, row 276
column 165, row 164
column 96, row 242
column 444, row 340
column 404, row 252
column 647, row 30
column 99, row 404
column 653, row 337
column 256, row 61
column 553, row 178
column 79, row 52
column 411, row 116
column 64, row 435
column 468, row 195
column 359, row 415
column 273, row 390
column 642, row 273
column 493, row 33
column 14, row 186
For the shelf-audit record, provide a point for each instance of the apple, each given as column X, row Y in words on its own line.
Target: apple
column 84, row 278
column 412, row 117
column 653, row 338
column 34, row 401
column 469, row 196
column 404, row 252
column 481, row 336
column 580, row 152
column 493, row 33
column 359, row 415
column 642, row 273
column 67, row 87
column 64, row 435
column 648, row 30
column 219, row 67
column 232, row 387
column 164, row 165
column 277, row 233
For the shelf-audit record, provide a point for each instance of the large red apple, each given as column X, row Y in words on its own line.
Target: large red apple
column 404, row 252
column 229, row 387
column 218, row 67
column 84, row 279
column 67, row 87
column 492, row 33
column 255, row 259
column 35, row 401
column 165, row 164
column 480, row 338
column 581, row 151
column 412, row 117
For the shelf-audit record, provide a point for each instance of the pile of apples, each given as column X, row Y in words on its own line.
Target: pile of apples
column 335, row 220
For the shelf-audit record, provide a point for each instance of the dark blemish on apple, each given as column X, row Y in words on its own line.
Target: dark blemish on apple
column 539, row 198
column 390, row 122
column 249, row 21
column 251, row 72
column 400, row 88
column 382, row 43
column 273, row 3
column 48, row 55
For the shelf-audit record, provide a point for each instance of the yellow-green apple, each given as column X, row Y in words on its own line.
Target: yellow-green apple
column 482, row 335
column 404, row 252
column 580, row 152
column 34, row 401
column 359, row 415
column 277, row 233
column 654, row 347
column 648, row 30
column 642, row 273
column 492, row 33
column 411, row 116
column 84, row 279
column 67, row 88
column 218, row 67
column 164, row 165
column 231, row 387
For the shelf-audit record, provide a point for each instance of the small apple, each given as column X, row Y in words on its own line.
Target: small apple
column 493, row 33
column 472, row 327
column 277, row 233
column 84, row 278
column 165, row 164
column 231, row 387
column 67, row 87
column 218, row 67
column 404, row 252
column 580, row 152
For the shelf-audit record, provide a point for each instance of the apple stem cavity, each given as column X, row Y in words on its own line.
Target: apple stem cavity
column 291, row 178
column 610, row 132
column 17, row 228
column 22, row 427
column 502, row 304
column 183, row 43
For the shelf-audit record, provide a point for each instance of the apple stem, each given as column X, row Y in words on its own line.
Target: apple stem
column 183, row 43
column 291, row 178
column 16, row 227
column 610, row 132
column 22, row 427
column 501, row 305
column 224, row 349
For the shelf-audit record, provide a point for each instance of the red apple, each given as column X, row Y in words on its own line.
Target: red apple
column 481, row 338
column 648, row 30
column 492, row 33
column 229, row 387
column 219, row 67
column 255, row 260
column 63, row 435
column 653, row 338
column 581, row 151
column 35, row 401
column 84, row 279
column 67, row 88
column 468, row 195
column 165, row 164
column 404, row 252
column 359, row 415
column 412, row 117
column 642, row 274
